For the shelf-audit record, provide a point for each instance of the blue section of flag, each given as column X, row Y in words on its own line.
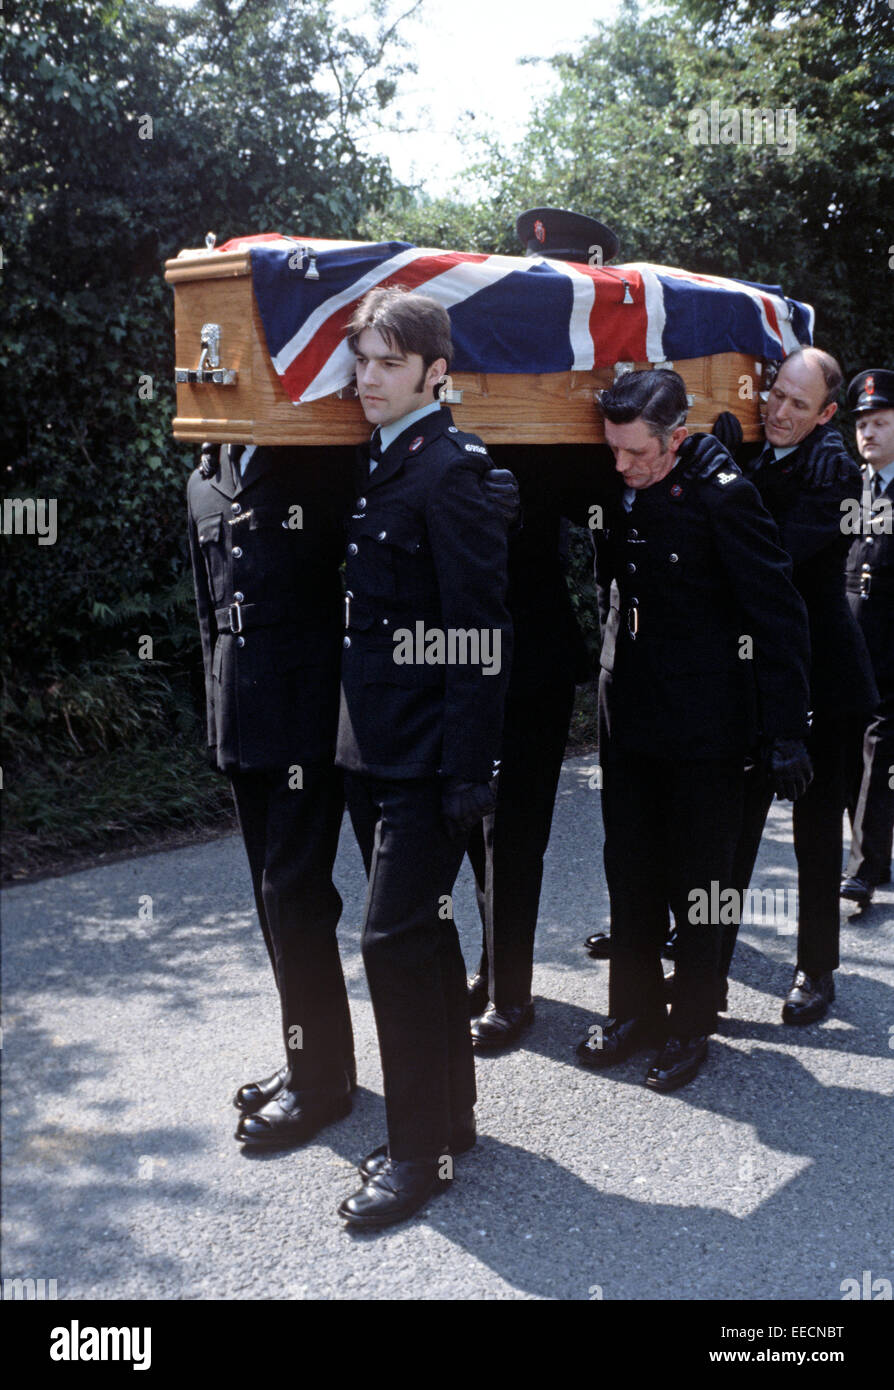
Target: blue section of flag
column 520, row 324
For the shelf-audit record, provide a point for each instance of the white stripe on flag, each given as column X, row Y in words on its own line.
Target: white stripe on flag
column 299, row 341
column 786, row 335
column 584, row 292
column 655, row 312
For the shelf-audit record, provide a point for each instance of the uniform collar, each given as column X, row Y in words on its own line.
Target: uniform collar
column 886, row 474
column 389, row 433
column 413, row 437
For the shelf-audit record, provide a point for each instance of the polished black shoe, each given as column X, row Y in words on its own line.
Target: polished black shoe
column 291, row 1118
column 498, row 1028
column 677, row 1062
column 599, row 945
column 463, row 1138
column 252, row 1096
column 618, row 1041
column 393, row 1193
column 722, row 992
column 478, row 994
column 809, row 997
column 856, row 890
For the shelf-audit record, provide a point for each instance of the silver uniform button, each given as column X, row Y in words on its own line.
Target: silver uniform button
column 284, row 525
column 238, row 597
column 237, row 552
column 633, row 535
column 240, row 641
column 382, row 535
column 235, row 508
column 673, row 558
column 361, row 503
column 352, row 548
column 384, row 622
column 631, row 567
column 346, row 642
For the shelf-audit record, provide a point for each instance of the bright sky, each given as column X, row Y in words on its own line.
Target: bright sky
column 467, row 52
column 469, row 76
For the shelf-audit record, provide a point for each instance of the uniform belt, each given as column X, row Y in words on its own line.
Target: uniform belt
column 877, row 583
column 238, row 617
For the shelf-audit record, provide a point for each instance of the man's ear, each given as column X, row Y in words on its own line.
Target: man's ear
column 436, row 371
column 677, row 438
column 826, row 415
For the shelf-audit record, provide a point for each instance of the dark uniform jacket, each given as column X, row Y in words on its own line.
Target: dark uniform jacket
column 426, row 551
column 870, row 581
column 266, row 552
column 555, row 483
column 812, row 531
column 697, row 567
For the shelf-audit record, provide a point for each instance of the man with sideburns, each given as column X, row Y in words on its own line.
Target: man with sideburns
column 425, row 666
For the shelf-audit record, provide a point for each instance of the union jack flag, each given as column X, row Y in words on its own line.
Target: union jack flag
column 508, row 313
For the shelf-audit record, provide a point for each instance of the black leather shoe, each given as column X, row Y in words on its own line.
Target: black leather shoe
column 618, row 1041
column 463, row 1138
column 395, row 1192
column 722, row 992
column 856, row 890
column 809, row 997
column 677, row 1062
column 478, row 993
column 291, row 1118
column 498, row 1028
column 599, row 945
column 252, row 1096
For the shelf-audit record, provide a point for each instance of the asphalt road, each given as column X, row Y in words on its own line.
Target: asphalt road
column 125, row 1037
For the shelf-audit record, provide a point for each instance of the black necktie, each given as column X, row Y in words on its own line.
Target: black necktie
column 766, row 456
column 375, row 449
column 876, row 486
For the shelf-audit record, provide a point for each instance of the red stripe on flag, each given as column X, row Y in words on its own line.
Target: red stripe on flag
column 618, row 330
column 311, row 360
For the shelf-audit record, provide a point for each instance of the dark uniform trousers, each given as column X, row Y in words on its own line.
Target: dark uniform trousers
column 413, row 960
column 842, row 693
column 426, row 553
column 670, row 828
column 818, row 837
column 870, row 590
column 291, row 838
column 269, row 604
column 693, row 567
column 549, row 658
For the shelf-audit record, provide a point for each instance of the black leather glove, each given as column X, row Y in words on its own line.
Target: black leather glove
column 208, row 459
column 790, row 769
column 824, row 468
column 501, row 490
column 728, row 430
column 701, row 455
column 464, row 804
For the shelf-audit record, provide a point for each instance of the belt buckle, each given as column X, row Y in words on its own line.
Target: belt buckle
column 237, row 609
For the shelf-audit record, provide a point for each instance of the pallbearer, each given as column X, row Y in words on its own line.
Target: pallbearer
column 425, row 665
column 704, row 654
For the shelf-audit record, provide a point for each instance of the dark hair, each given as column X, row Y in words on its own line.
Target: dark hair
column 408, row 321
column 656, row 396
column 833, row 376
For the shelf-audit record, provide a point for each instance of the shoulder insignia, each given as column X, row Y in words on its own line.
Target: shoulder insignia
column 475, row 449
column 724, row 478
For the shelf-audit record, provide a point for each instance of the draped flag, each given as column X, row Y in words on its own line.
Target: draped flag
column 508, row 313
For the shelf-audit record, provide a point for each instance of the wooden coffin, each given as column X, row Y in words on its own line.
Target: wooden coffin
column 215, row 287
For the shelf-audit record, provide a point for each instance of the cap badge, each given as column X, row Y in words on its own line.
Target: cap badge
column 869, row 386
column 676, row 490
column 539, row 231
